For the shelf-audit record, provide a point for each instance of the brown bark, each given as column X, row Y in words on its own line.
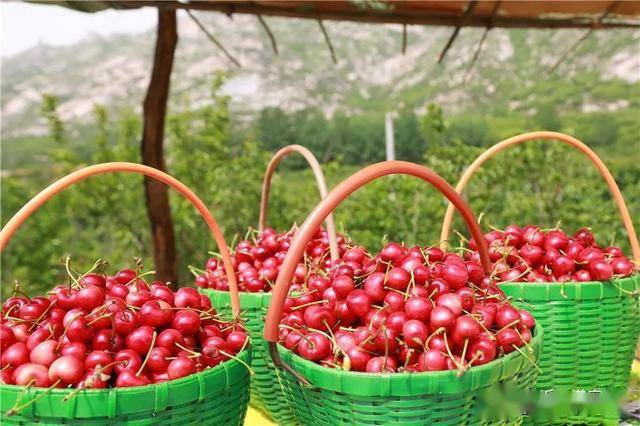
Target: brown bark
column 154, row 111
column 539, row 14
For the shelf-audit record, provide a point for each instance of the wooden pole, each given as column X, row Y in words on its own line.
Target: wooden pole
column 154, row 111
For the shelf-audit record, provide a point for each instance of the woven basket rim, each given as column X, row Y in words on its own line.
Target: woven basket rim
column 247, row 299
column 226, row 373
column 407, row 384
column 573, row 290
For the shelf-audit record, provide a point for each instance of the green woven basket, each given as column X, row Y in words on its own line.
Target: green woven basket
column 219, row 396
column 590, row 338
column 486, row 394
column 266, row 387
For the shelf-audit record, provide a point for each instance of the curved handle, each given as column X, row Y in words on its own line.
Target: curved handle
column 559, row 137
column 320, row 182
column 339, row 194
column 58, row 186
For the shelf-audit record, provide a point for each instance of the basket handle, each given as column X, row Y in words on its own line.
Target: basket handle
column 320, row 182
column 58, row 186
column 559, row 137
column 337, row 196
column 326, row 206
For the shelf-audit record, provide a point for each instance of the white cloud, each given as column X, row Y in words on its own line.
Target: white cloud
column 25, row 25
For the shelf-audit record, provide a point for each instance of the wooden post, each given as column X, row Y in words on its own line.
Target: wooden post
column 154, row 111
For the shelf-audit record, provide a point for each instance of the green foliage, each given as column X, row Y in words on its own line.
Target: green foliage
column 223, row 162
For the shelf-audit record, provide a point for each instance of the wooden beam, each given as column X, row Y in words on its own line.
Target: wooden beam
column 389, row 17
column 404, row 38
column 274, row 45
column 213, row 39
column 585, row 36
column 481, row 43
column 469, row 10
column 328, row 41
column 154, row 111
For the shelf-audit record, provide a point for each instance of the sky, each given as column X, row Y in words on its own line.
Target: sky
column 26, row 25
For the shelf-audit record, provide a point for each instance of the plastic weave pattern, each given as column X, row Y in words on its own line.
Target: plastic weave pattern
column 266, row 389
column 219, row 395
column 339, row 397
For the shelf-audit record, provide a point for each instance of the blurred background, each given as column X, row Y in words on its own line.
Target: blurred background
column 73, row 85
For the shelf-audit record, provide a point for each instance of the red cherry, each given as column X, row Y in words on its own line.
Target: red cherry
column 314, row 346
column 398, row 278
column 127, row 359
column 359, row 302
column 432, row 360
column 45, row 353
column 139, row 340
column 381, row 364
column 236, row 341
column 180, row 367
column 100, row 359
column 129, row 378
column 68, row 369
column 187, row 297
column 418, row 308
column 187, row 322
column 358, row 358
column 600, row 270
column 89, row 297
column 32, row 374
column 451, row 301
column 125, row 322
column 441, row 316
column 415, row 333
column 15, row 355
column 125, row 276
column 374, row 286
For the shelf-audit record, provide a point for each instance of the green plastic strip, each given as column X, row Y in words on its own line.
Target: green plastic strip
column 590, row 337
column 174, row 402
column 266, row 386
column 339, row 397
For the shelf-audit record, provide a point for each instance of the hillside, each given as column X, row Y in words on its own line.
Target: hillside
column 372, row 74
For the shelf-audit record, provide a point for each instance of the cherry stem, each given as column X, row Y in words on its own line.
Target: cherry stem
column 527, row 358
column 317, row 302
column 187, row 349
column 138, row 276
column 446, row 344
column 6, row 315
column 491, row 336
column 438, row 331
column 146, row 358
column 16, row 290
column 196, row 271
column 523, row 341
column 511, row 324
column 64, row 333
column 17, row 408
column 247, row 366
column 473, row 359
column 464, row 354
column 99, row 318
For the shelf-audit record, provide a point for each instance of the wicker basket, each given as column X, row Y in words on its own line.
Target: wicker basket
column 591, row 331
column 321, row 395
column 338, row 397
column 219, row 395
column 266, row 389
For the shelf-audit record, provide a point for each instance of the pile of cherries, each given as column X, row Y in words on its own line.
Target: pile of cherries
column 402, row 310
column 257, row 263
column 112, row 331
column 531, row 254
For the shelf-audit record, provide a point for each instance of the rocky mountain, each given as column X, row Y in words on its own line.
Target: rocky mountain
column 372, row 73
